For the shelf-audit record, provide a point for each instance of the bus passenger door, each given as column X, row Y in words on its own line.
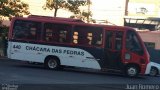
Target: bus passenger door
column 113, row 50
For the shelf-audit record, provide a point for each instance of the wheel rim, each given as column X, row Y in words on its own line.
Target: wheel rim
column 153, row 72
column 52, row 63
column 132, row 71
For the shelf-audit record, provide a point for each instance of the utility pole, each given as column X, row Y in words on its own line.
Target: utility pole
column 88, row 1
column 126, row 8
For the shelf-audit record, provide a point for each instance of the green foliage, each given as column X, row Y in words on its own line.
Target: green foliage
column 4, row 30
column 85, row 16
column 54, row 4
column 70, row 5
column 11, row 8
column 3, row 39
column 73, row 5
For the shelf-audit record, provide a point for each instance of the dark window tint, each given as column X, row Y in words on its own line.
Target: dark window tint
column 118, row 40
column 109, row 39
column 26, row 30
column 133, row 43
column 57, row 32
column 87, row 36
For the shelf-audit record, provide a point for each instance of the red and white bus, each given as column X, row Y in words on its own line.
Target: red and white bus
column 58, row 42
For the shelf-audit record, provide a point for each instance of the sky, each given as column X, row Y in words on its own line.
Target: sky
column 104, row 9
column 98, row 7
column 110, row 10
column 101, row 9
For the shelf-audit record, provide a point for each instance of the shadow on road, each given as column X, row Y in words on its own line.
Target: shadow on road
column 22, row 64
column 74, row 69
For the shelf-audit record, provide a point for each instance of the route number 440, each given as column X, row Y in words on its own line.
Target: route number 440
column 16, row 46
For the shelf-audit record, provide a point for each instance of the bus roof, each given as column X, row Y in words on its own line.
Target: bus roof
column 55, row 18
column 68, row 21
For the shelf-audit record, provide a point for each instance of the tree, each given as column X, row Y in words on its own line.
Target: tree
column 81, row 14
column 85, row 16
column 11, row 8
column 54, row 4
column 70, row 5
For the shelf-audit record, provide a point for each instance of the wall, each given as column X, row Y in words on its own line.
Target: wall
column 151, row 36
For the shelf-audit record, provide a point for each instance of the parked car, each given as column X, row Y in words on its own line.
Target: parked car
column 153, row 69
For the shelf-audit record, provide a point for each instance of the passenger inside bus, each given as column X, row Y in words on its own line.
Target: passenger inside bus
column 62, row 36
column 132, row 42
column 82, row 39
column 97, row 39
column 25, row 30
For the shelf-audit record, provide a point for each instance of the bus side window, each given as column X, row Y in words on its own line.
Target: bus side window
column 63, row 33
column 48, row 35
column 63, row 36
column 48, row 32
column 86, row 35
column 18, row 32
column 32, row 33
column 109, row 36
column 32, row 30
column 58, row 33
column 118, row 40
column 26, row 30
column 97, row 39
column 90, row 37
column 130, row 41
column 82, row 39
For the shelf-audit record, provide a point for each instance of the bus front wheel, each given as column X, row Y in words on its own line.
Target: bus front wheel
column 52, row 63
column 132, row 71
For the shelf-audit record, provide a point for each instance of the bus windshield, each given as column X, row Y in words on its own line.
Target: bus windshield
column 133, row 43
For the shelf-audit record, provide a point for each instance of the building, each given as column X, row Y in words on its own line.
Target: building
column 143, row 15
column 147, row 8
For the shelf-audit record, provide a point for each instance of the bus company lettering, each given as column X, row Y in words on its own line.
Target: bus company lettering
column 37, row 49
column 73, row 52
column 17, row 46
column 56, row 51
column 60, row 51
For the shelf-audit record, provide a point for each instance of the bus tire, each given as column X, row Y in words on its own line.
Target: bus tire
column 132, row 71
column 52, row 63
column 153, row 72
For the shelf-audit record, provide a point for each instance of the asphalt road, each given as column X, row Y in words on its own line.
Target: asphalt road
column 30, row 77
